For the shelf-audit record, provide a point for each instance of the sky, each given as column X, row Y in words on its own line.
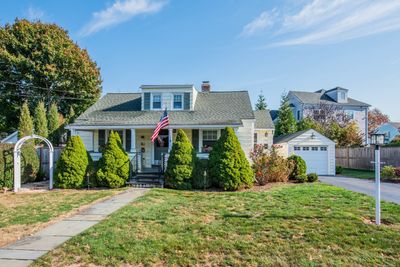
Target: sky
column 267, row 47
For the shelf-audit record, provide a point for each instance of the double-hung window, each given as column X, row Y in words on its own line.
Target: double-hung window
column 156, row 101
column 209, row 139
column 178, row 102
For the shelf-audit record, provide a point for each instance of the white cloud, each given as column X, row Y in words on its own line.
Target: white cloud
column 330, row 21
column 119, row 12
column 263, row 21
column 35, row 13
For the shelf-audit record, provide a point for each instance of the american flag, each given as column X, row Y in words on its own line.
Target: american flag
column 164, row 122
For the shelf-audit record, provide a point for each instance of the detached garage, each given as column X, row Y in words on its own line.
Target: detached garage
column 317, row 150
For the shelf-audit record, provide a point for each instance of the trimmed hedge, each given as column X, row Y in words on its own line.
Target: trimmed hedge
column 72, row 165
column 113, row 166
column 199, row 180
column 302, row 178
column 30, row 163
column 300, row 167
column 312, row 177
column 180, row 163
column 229, row 167
column 339, row 169
column 6, row 166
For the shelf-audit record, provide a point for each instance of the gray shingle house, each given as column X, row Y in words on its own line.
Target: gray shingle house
column 307, row 104
column 201, row 114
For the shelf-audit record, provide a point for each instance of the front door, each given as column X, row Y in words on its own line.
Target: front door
column 160, row 146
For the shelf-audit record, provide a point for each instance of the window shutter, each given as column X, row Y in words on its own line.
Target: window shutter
column 146, row 101
column 195, row 139
column 186, row 101
column 128, row 140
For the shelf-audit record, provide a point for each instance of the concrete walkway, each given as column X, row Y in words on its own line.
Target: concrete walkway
column 26, row 250
column 389, row 191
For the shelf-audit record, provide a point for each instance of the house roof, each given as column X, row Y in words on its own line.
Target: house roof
column 11, row 138
column 288, row 137
column 274, row 114
column 263, row 120
column 321, row 96
column 211, row 108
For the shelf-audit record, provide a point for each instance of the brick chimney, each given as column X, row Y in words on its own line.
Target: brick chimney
column 205, row 86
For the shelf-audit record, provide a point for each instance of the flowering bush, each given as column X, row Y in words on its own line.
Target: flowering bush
column 397, row 171
column 269, row 166
column 388, row 172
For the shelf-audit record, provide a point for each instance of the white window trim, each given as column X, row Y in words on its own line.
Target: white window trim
column 151, row 100
column 201, row 144
column 173, row 100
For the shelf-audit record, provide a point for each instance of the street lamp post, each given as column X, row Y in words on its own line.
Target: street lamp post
column 377, row 140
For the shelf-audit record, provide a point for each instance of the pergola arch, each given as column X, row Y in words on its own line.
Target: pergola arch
column 17, row 160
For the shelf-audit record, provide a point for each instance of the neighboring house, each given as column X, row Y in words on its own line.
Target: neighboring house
column 307, row 104
column 264, row 128
column 274, row 115
column 317, row 150
column 10, row 139
column 202, row 115
column 390, row 130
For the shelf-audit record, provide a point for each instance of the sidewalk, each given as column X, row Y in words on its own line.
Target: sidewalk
column 26, row 250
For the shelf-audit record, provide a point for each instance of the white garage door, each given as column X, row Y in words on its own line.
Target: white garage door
column 316, row 158
column 87, row 139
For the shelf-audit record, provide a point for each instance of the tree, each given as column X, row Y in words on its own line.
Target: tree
column 261, row 103
column 286, row 123
column 72, row 164
column 40, row 61
column 25, row 126
column 350, row 136
column 71, row 115
column 54, row 124
column 41, row 120
column 229, row 167
column 375, row 119
column 180, row 163
column 113, row 168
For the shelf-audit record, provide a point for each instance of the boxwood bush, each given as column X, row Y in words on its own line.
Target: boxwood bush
column 339, row 169
column 180, row 163
column 229, row 167
column 312, row 177
column 113, row 166
column 72, row 165
column 302, row 178
column 299, row 168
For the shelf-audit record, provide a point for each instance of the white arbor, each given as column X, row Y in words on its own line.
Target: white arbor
column 17, row 160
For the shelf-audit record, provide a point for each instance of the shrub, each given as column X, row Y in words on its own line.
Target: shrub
column 72, row 164
column 339, row 169
column 312, row 177
column 25, row 126
column 30, row 163
column 229, row 167
column 113, row 166
column 397, row 171
column 270, row 166
column 6, row 166
column 388, row 172
column 199, row 180
column 302, row 178
column 299, row 166
column 180, row 163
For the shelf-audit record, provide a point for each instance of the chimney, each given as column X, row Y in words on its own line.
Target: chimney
column 205, row 86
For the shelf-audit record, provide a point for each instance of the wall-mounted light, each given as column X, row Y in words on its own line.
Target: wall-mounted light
column 313, row 136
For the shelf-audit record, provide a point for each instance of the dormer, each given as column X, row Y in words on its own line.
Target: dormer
column 172, row 97
column 338, row 94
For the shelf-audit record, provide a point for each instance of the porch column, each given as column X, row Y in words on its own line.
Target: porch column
column 169, row 140
column 133, row 140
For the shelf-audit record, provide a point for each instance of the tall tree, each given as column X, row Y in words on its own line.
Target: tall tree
column 261, row 103
column 375, row 119
column 41, row 120
column 40, row 61
column 286, row 123
column 54, row 124
column 25, row 126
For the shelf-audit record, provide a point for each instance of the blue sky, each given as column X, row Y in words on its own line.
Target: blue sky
column 268, row 46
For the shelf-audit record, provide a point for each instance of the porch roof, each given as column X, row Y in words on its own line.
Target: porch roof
column 212, row 108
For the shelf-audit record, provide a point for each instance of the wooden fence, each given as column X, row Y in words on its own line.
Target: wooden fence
column 43, row 153
column 362, row 158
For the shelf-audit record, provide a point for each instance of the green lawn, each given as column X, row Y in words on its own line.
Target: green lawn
column 22, row 214
column 303, row 225
column 362, row 174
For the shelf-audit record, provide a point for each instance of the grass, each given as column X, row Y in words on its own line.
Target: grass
column 290, row 225
column 362, row 174
column 25, row 213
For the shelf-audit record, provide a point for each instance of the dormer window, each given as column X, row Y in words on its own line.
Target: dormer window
column 342, row 96
column 178, row 102
column 156, row 101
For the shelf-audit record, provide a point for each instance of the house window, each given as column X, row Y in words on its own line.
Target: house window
column 306, row 148
column 342, row 95
column 314, row 148
column 102, row 140
column 296, row 148
column 323, row 148
column 156, row 101
column 255, row 138
column 178, row 101
column 209, row 139
column 298, row 115
column 350, row 114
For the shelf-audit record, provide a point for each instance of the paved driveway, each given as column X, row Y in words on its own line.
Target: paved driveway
column 389, row 191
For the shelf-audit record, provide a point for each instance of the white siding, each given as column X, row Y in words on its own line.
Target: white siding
column 245, row 135
column 87, row 139
column 265, row 137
